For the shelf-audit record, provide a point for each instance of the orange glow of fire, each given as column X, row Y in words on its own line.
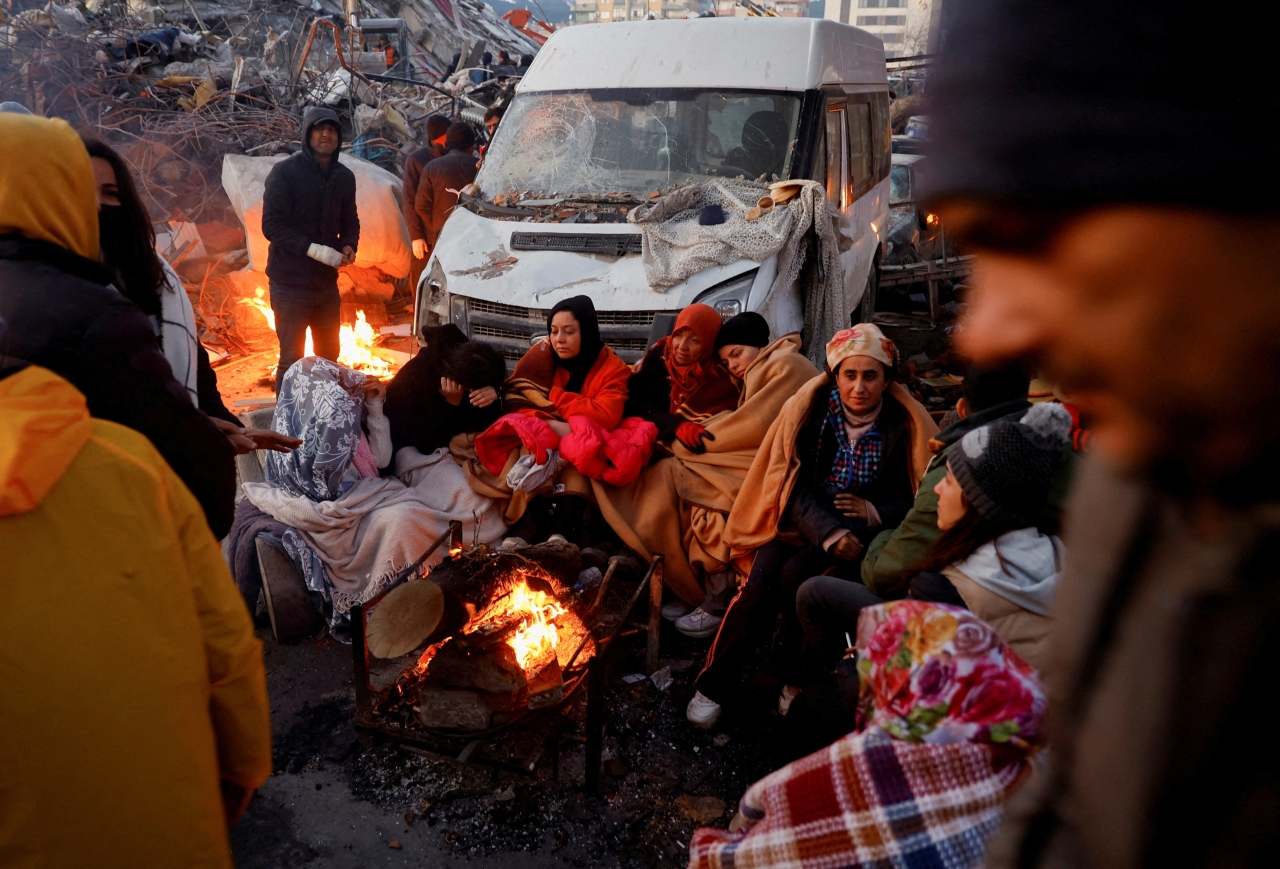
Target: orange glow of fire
column 537, row 637
column 356, row 342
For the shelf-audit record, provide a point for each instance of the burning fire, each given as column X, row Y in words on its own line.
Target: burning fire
column 537, row 637
column 356, row 342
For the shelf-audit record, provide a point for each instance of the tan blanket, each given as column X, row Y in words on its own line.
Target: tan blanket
column 511, row 503
column 679, row 506
column 757, row 520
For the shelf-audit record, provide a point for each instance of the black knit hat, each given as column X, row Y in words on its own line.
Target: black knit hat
column 749, row 328
column 460, row 137
column 1006, row 469
column 1095, row 101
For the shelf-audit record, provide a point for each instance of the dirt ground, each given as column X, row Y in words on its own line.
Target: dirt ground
column 339, row 801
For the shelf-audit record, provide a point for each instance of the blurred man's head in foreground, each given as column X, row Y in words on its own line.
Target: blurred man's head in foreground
column 1086, row 152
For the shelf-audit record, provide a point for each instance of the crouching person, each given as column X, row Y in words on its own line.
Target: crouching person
column 840, row 463
column 954, row 718
column 133, row 685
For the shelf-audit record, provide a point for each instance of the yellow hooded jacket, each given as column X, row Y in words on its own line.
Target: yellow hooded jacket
column 130, row 678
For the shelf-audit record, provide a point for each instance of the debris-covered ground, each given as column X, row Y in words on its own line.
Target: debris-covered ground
column 336, row 800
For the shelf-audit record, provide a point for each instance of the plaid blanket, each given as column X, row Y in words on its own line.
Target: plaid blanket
column 869, row 800
column 952, row 716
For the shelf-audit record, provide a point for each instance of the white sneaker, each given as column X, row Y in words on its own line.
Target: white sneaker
column 702, row 712
column 673, row 610
column 789, row 693
column 699, row 624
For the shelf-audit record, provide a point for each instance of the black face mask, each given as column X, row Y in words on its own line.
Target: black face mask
column 122, row 252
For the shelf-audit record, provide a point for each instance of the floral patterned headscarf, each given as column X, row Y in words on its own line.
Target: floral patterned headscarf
column 323, row 404
column 938, row 674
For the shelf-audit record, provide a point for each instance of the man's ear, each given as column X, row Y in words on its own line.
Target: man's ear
column 961, row 410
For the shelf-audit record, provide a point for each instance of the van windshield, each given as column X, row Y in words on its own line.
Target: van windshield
column 595, row 142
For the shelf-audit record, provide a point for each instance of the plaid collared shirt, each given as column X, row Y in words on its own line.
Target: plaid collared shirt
column 855, row 464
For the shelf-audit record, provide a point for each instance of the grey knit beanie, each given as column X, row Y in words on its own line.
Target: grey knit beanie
column 1006, row 469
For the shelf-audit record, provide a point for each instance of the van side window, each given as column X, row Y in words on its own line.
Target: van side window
column 881, row 135
column 837, row 145
column 861, row 163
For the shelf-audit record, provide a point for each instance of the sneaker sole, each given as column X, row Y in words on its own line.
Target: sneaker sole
column 701, row 633
column 704, row 725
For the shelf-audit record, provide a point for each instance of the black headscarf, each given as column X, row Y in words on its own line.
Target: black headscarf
column 585, row 313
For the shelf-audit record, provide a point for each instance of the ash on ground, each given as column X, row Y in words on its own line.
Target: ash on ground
column 661, row 778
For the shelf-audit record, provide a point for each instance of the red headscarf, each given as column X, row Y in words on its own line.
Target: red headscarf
column 705, row 323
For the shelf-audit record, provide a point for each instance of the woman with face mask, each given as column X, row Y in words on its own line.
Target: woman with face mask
column 128, row 240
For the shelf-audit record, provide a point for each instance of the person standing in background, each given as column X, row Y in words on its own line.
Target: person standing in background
column 437, row 192
column 414, row 165
column 309, row 217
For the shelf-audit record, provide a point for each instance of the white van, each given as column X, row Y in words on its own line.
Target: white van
column 609, row 113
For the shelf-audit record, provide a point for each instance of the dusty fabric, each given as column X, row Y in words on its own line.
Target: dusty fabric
column 169, row 691
column 679, row 506
column 321, row 403
column 776, row 468
column 537, row 388
column 676, row 246
column 953, row 717
column 379, row 527
column 46, row 184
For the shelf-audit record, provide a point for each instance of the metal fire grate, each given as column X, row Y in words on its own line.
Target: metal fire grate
column 609, row 244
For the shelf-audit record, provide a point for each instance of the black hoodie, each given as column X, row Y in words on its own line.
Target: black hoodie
column 307, row 204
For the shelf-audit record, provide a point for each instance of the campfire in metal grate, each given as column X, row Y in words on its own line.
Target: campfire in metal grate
column 509, row 641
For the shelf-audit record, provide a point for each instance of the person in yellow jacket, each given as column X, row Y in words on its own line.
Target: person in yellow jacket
column 134, row 723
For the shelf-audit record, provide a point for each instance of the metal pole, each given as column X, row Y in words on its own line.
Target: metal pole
column 655, row 615
column 360, row 655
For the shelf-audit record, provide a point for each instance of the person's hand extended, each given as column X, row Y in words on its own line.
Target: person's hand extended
column 852, row 506
column 374, row 390
column 847, row 548
column 246, row 440
column 692, row 436
column 452, row 391
column 348, row 255
column 484, row 397
column 419, row 248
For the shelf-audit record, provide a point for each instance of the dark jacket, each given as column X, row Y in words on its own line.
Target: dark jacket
column 1166, row 629
column 414, row 165
column 420, row 416
column 649, row 394
column 812, row 508
column 305, row 204
column 435, row 203
column 59, row 314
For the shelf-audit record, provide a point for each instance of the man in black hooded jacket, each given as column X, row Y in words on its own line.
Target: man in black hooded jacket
column 309, row 217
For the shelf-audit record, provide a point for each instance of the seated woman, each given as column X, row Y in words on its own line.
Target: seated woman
column 841, row 462
column 679, row 505
column 923, row 779
column 351, row 532
column 997, row 555
column 449, row 388
column 569, row 387
column 680, row 383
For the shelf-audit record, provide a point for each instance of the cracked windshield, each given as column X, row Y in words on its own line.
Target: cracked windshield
column 628, row 141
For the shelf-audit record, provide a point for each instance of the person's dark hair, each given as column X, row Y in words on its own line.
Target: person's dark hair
column 584, row 311
column 437, row 126
column 475, row 365
column 460, row 137
column 984, row 388
column 494, row 112
column 131, row 248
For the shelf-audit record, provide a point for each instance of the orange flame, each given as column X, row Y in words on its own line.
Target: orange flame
column 356, row 342
column 537, row 637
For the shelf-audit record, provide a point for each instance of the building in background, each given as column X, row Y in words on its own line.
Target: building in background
column 903, row 25
column 784, row 8
column 603, row 11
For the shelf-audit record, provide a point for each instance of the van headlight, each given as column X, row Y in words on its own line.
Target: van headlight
column 729, row 298
column 434, row 308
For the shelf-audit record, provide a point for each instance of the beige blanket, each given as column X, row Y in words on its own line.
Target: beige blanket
column 381, row 526
column 679, row 506
column 758, row 520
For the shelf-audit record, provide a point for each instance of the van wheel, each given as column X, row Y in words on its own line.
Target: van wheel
column 867, row 308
